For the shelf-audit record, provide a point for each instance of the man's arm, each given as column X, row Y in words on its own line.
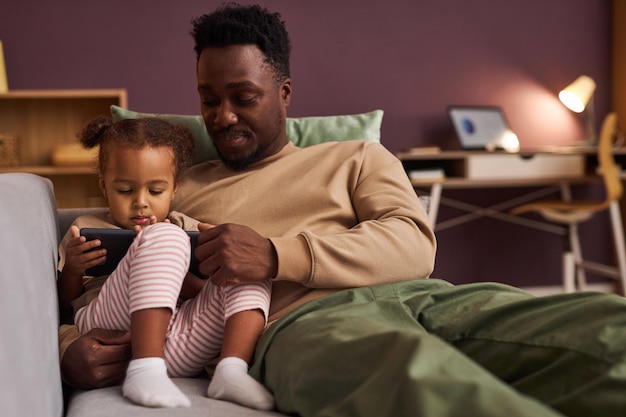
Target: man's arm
column 387, row 237
column 392, row 241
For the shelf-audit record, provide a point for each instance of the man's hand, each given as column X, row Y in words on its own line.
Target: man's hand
column 97, row 359
column 231, row 253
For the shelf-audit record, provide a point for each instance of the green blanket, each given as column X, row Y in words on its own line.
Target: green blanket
column 429, row 348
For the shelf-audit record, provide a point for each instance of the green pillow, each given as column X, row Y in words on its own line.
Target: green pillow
column 302, row 131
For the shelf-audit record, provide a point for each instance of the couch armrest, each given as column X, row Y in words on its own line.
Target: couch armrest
column 29, row 319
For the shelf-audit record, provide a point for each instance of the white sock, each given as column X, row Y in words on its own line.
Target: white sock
column 147, row 384
column 231, row 382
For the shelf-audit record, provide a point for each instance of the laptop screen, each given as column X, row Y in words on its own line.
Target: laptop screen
column 479, row 127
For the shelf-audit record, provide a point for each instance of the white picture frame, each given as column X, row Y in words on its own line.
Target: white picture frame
column 479, row 127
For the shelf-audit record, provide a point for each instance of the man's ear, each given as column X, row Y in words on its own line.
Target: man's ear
column 285, row 91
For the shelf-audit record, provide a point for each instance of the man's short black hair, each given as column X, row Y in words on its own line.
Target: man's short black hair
column 234, row 24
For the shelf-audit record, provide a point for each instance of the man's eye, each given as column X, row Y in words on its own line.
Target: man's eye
column 246, row 100
column 209, row 102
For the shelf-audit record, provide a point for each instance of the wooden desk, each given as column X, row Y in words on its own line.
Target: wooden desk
column 461, row 171
column 458, row 173
column 460, row 166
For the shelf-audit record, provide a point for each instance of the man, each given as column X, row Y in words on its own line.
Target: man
column 339, row 230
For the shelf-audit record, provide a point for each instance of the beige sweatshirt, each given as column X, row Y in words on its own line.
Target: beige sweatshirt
column 340, row 215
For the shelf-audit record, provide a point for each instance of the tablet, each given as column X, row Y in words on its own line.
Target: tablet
column 117, row 242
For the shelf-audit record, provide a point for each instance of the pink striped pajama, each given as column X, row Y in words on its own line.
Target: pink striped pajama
column 150, row 276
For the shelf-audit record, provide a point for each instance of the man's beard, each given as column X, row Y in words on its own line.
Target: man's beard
column 260, row 153
column 242, row 163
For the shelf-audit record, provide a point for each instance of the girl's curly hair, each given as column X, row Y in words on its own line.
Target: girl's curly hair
column 136, row 134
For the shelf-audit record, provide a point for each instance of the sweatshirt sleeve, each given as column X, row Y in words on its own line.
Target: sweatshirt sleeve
column 183, row 221
column 68, row 333
column 390, row 242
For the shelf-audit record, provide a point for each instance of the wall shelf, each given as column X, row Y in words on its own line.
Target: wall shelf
column 42, row 119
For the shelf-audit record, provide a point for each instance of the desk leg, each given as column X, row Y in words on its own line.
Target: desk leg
column 435, row 199
column 566, row 191
column 618, row 236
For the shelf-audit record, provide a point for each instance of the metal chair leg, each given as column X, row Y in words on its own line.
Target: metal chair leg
column 575, row 248
column 569, row 268
column 618, row 238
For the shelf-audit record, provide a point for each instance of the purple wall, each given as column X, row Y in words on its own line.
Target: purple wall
column 410, row 58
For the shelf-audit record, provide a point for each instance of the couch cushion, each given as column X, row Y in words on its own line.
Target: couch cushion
column 107, row 402
column 30, row 380
column 302, row 131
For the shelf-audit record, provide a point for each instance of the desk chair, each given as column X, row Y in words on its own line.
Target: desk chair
column 571, row 213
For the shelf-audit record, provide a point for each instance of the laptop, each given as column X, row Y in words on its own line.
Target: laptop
column 479, row 127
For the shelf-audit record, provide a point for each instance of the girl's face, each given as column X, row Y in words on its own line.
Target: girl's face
column 138, row 183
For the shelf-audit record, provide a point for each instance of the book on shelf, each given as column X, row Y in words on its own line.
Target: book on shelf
column 427, row 174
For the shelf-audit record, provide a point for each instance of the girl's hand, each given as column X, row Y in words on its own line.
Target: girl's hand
column 153, row 220
column 81, row 254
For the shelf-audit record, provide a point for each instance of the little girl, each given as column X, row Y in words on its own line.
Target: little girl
column 178, row 322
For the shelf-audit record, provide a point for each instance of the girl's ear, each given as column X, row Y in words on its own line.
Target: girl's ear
column 174, row 191
column 102, row 187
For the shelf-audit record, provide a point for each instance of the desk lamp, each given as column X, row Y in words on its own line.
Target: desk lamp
column 3, row 72
column 578, row 96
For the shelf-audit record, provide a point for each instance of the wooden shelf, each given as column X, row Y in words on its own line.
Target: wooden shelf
column 50, row 170
column 113, row 93
column 42, row 119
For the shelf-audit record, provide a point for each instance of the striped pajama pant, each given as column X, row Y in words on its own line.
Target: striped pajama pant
column 150, row 276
